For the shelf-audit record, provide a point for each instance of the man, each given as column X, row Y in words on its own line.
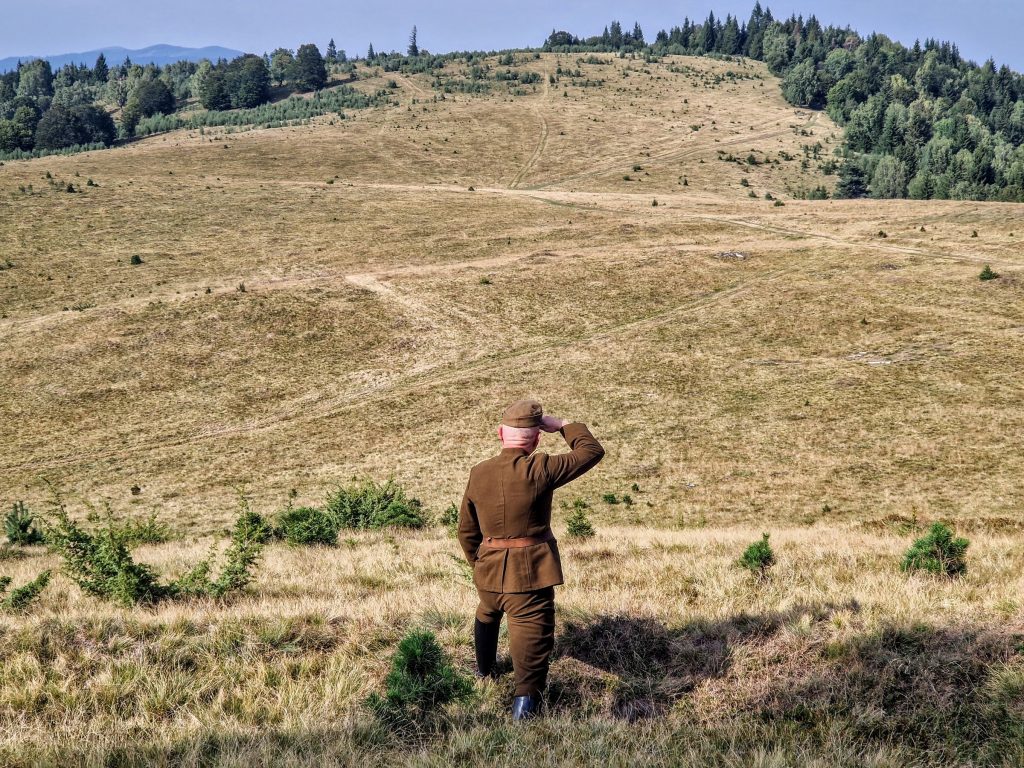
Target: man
column 505, row 531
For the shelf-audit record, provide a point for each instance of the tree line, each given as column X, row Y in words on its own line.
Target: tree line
column 921, row 122
column 44, row 110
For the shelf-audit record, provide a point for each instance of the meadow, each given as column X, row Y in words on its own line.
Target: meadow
column 280, row 310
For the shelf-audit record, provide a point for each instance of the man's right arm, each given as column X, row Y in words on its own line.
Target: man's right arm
column 586, row 452
column 470, row 535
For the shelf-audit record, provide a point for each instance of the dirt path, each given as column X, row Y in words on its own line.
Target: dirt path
column 542, row 141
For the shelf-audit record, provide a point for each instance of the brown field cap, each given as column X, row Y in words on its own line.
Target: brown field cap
column 523, row 413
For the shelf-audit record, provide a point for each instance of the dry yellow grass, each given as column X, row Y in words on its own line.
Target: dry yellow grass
column 831, row 384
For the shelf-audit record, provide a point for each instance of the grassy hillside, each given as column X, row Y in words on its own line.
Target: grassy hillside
column 362, row 296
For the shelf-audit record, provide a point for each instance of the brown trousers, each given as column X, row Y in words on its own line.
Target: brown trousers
column 531, row 632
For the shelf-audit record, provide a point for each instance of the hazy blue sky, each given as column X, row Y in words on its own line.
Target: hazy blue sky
column 982, row 28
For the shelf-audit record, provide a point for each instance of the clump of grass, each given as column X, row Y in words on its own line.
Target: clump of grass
column 21, row 598
column 422, row 679
column 485, row 281
column 758, row 558
column 988, row 274
column 305, row 526
column 937, row 552
column 370, row 505
column 20, row 527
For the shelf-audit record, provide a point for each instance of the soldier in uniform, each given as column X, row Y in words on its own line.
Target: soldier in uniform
column 505, row 531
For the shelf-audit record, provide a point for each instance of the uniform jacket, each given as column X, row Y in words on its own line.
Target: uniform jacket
column 509, row 496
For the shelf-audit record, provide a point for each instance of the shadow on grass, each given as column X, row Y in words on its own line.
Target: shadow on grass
column 950, row 689
column 636, row 667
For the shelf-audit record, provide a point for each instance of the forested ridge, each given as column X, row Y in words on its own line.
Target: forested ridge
column 920, row 122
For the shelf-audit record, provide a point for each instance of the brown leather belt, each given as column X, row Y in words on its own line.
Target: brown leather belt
column 518, row 542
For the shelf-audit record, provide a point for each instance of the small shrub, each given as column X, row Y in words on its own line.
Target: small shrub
column 882, row 233
column 779, row 203
column 758, row 557
column 654, row 203
column 937, row 552
column 578, row 525
column 421, row 680
column 450, row 518
column 610, row 498
column 136, row 260
column 19, row 525
column 101, row 565
column 485, row 281
column 627, row 500
column 147, row 531
column 988, row 274
column 974, row 233
column 304, row 526
column 373, row 505
column 744, row 183
column 22, row 597
column 627, row 177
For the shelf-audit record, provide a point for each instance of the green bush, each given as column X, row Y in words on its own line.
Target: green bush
column 988, row 274
column 421, row 680
column 19, row 525
column 578, row 525
column 450, row 518
column 101, row 564
column 371, row 505
column 307, row 526
column 248, row 535
column 758, row 557
column 146, row 531
column 610, row 498
column 22, row 597
column 937, row 552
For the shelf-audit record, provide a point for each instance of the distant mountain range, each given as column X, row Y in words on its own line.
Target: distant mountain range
column 155, row 54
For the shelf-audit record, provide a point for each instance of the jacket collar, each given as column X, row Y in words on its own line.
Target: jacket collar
column 514, row 452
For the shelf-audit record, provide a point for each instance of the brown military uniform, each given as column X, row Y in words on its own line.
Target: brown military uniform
column 509, row 497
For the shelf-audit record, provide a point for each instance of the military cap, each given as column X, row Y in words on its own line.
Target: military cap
column 523, row 413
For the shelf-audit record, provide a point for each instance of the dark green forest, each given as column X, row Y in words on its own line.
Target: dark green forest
column 920, row 122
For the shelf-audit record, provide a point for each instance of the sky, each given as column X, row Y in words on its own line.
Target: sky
column 981, row 28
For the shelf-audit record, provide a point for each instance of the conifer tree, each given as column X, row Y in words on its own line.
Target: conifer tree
column 332, row 52
column 101, row 70
column 370, row 53
column 414, row 48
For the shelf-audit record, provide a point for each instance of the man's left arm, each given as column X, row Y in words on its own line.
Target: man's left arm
column 470, row 535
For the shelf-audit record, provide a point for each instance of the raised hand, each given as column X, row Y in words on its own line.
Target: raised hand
column 552, row 423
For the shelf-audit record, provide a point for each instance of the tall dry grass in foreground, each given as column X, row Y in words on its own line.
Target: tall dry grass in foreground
column 667, row 654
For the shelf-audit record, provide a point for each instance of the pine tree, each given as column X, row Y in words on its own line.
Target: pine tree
column 332, row 52
column 638, row 34
column 615, row 38
column 414, row 49
column 101, row 70
column 370, row 53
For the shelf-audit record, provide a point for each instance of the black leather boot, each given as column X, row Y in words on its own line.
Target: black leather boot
column 485, row 637
column 525, row 707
